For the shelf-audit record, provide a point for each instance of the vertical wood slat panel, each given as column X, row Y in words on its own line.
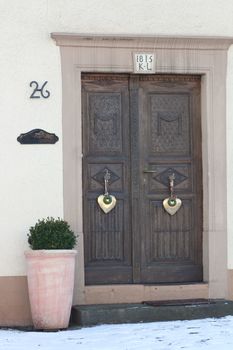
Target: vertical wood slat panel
column 105, row 234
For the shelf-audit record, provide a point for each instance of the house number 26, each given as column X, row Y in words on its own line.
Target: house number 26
column 39, row 92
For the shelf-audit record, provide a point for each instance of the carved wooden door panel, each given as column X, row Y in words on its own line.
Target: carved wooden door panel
column 133, row 125
column 107, row 237
column 170, row 139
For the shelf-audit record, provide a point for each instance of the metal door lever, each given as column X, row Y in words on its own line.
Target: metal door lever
column 149, row 171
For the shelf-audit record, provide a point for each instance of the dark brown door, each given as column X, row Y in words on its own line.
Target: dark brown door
column 170, row 139
column 142, row 129
column 106, row 146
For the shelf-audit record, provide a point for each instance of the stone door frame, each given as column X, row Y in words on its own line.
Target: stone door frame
column 204, row 56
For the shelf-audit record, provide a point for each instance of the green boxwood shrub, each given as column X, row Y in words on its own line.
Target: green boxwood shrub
column 51, row 233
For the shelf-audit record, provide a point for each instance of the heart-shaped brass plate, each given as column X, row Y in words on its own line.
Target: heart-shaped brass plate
column 172, row 205
column 106, row 202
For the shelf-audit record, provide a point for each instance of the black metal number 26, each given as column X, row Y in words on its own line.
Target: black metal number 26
column 39, row 92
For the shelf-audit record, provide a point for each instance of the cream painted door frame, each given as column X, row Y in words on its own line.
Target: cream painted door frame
column 204, row 56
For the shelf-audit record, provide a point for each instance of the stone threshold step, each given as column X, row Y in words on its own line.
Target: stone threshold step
column 89, row 315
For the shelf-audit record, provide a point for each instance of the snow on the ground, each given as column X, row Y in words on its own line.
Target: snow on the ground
column 208, row 334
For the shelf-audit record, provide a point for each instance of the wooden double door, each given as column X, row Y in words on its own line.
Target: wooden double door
column 141, row 129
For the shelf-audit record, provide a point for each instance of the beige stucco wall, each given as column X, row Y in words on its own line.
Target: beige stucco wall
column 229, row 106
column 31, row 175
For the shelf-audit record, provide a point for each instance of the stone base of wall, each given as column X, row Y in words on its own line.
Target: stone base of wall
column 15, row 308
column 129, row 293
column 14, row 302
column 230, row 284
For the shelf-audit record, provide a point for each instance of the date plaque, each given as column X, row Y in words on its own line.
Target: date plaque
column 144, row 63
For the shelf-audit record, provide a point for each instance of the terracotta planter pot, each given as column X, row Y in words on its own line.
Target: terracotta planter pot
column 50, row 276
